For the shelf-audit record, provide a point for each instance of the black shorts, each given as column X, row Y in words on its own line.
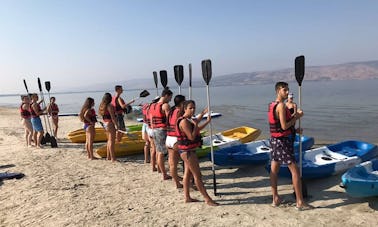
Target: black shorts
column 282, row 150
column 121, row 122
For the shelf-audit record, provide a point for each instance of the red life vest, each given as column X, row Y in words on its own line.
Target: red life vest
column 159, row 119
column 54, row 109
column 92, row 117
column 33, row 113
column 24, row 113
column 115, row 103
column 107, row 117
column 183, row 143
column 172, row 119
column 274, row 123
column 145, row 109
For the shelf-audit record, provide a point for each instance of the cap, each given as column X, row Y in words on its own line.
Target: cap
column 291, row 95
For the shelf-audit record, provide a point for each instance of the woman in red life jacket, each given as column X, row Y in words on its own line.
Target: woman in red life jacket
column 36, row 111
column 171, row 141
column 53, row 110
column 88, row 116
column 26, row 119
column 188, row 140
column 106, row 110
column 281, row 124
column 149, row 151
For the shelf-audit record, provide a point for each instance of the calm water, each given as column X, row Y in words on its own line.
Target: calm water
column 334, row 110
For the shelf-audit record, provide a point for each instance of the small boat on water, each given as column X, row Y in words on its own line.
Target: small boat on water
column 333, row 159
column 361, row 180
column 78, row 136
column 228, row 138
column 253, row 153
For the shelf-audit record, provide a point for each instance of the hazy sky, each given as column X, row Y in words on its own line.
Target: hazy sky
column 78, row 42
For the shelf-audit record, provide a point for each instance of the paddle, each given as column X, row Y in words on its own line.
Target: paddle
column 299, row 74
column 143, row 94
column 156, row 82
column 43, row 140
column 53, row 141
column 206, row 72
column 190, row 81
column 47, row 123
column 179, row 75
column 163, row 78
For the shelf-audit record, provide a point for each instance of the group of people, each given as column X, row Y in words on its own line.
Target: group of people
column 31, row 112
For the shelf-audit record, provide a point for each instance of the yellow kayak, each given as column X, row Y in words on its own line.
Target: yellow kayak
column 244, row 134
column 130, row 147
column 78, row 136
column 101, row 137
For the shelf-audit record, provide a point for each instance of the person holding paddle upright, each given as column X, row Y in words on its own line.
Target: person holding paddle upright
column 88, row 116
column 37, row 111
column 106, row 110
column 53, row 110
column 26, row 119
column 158, row 115
column 120, row 107
column 282, row 128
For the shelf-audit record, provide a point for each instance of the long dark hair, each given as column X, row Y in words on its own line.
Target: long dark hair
column 86, row 106
column 106, row 99
column 178, row 100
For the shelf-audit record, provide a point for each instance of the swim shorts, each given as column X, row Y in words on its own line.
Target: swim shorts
column 121, row 122
column 160, row 136
column 282, row 150
column 37, row 124
column 170, row 141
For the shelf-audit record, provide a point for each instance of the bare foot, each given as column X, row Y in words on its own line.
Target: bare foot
column 166, row 177
column 212, row 203
column 190, row 200
column 154, row 169
column 178, row 185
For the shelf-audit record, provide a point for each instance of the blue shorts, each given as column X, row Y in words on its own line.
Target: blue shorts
column 37, row 124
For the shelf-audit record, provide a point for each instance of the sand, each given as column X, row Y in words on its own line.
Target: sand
column 62, row 187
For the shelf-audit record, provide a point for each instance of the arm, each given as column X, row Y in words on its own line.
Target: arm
column 87, row 116
column 49, row 109
column 111, row 111
column 121, row 102
column 281, row 113
column 200, row 116
column 165, row 108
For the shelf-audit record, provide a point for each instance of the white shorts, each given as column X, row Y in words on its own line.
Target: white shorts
column 149, row 132
column 170, row 141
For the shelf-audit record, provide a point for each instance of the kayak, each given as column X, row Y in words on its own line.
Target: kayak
column 218, row 141
column 361, row 180
column 253, row 153
column 333, row 159
column 129, row 147
column 78, row 136
column 244, row 134
column 213, row 115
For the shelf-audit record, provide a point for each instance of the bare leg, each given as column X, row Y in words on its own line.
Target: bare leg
column 111, row 142
column 161, row 165
column 55, row 125
column 274, row 169
column 39, row 139
column 119, row 136
column 173, row 160
column 297, row 184
column 153, row 154
column 146, row 148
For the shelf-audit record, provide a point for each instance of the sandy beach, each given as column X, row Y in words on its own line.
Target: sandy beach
column 62, row 187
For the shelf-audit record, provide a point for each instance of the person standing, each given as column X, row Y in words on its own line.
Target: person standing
column 158, row 114
column 290, row 104
column 88, row 116
column 53, row 111
column 26, row 119
column 171, row 141
column 36, row 111
column 188, row 140
column 281, row 124
column 106, row 110
column 120, row 107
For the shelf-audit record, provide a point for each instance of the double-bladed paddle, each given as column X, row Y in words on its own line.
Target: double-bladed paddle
column 163, row 78
column 299, row 75
column 179, row 75
column 53, row 141
column 206, row 73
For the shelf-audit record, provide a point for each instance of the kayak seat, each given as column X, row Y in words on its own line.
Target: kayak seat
column 349, row 151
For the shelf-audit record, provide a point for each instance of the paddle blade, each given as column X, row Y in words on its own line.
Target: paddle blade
column 47, row 85
column 163, row 78
column 179, row 73
column 144, row 93
column 53, row 142
column 26, row 86
column 190, row 75
column 155, row 78
column 206, row 70
column 39, row 85
column 299, row 69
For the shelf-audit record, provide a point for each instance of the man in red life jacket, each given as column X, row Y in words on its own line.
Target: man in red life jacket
column 158, row 114
column 119, row 106
column 281, row 124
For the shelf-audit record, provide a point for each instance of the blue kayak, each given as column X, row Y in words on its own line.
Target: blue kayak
column 362, row 180
column 252, row 153
column 332, row 159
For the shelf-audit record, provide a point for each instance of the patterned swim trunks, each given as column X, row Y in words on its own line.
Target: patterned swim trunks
column 282, row 150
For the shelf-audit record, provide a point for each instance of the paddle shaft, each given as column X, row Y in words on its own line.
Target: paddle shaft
column 211, row 140
column 190, row 81
column 48, row 126
column 300, row 131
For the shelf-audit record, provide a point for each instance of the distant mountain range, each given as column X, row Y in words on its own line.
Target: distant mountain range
column 347, row 71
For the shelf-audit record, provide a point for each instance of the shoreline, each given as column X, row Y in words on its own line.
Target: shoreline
column 62, row 187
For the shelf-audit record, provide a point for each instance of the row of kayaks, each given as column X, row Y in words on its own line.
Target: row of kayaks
column 237, row 147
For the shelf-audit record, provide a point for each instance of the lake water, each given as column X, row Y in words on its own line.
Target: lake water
column 334, row 110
